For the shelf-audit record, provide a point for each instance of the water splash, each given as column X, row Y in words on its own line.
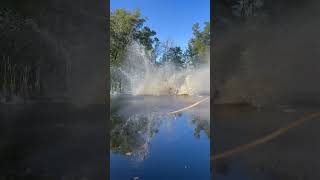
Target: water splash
column 141, row 76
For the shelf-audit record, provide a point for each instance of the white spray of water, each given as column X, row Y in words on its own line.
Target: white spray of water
column 143, row 77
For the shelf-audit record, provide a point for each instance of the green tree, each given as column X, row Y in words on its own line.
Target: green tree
column 199, row 43
column 126, row 26
column 144, row 37
column 156, row 49
column 175, row 55
column 122, row 25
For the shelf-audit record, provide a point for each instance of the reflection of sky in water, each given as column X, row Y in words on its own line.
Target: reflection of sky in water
column 174, row 152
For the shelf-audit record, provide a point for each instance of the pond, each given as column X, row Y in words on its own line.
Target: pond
column 147, row 142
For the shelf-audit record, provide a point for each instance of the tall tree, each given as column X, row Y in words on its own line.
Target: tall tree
column 199, row 43
column 122, row 25
column 175, row 55
column 144, row 37
column 126, row 26
column 156, row 49
column 171, row 53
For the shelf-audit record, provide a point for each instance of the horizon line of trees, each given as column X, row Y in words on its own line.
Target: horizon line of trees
column 127, row 26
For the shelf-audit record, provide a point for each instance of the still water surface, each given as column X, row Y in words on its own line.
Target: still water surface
column 148, row 143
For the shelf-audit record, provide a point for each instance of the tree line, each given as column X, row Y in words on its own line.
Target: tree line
column 127, row 26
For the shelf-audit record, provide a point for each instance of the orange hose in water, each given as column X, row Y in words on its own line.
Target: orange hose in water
column 257, row 142
column 188, row 107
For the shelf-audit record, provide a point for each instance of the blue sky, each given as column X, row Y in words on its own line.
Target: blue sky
column 171, row 19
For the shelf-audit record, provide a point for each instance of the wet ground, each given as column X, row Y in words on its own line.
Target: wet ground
column 149, row 143
column 293, row 155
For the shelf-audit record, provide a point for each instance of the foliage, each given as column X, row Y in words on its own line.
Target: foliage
column 126, row 26
column 132, row 134
column 174, row 55
column 199, row 43
column 144, row 37
column 122, row 24
column 201, row 125
column 156, row 51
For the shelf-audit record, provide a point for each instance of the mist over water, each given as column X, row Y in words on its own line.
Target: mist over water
column 140, row 75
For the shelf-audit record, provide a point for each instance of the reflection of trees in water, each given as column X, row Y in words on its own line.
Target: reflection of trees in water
column 201, row 125
column 132, row 135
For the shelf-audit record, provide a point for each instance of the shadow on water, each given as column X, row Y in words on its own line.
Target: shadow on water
column 148, row 143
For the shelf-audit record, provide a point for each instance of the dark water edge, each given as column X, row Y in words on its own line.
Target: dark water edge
column 293, row 155
column 53, row 141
